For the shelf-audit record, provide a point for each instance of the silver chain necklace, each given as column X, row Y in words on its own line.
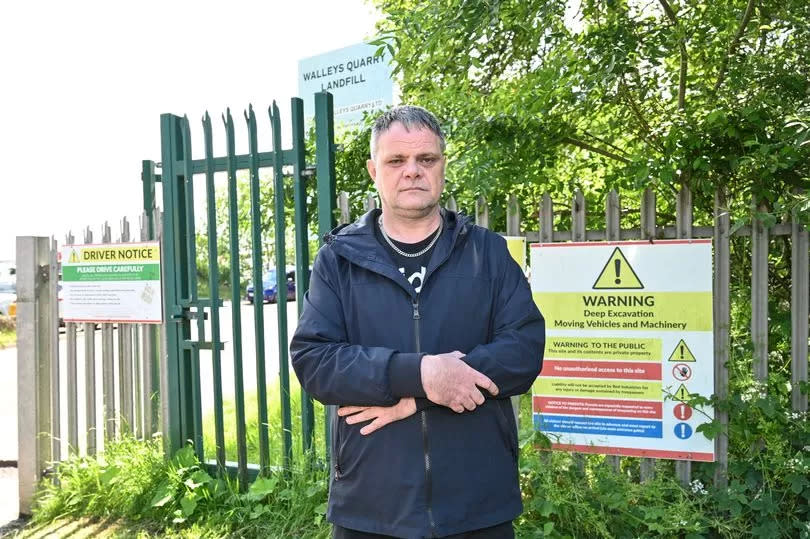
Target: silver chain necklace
column 403, row 253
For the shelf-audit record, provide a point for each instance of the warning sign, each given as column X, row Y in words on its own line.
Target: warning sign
column 682, row 353
column 682, row 394
column 617, row 366
column 111, row 283
column 617, row 274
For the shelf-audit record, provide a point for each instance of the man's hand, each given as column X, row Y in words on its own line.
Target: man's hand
column 381, row 415
column 449, row 381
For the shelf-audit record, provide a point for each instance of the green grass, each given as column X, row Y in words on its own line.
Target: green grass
column 137, row 493
column 274, row 427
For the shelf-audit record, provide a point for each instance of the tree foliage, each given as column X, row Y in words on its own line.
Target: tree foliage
column 549, row 95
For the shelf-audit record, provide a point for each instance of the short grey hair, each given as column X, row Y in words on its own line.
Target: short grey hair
column 411, row 117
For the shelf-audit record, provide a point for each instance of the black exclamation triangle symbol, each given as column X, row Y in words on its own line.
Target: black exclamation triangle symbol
column 681, row 352
column 618, row 267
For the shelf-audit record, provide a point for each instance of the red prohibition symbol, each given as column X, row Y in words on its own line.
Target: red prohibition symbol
column 682, row 411
column 682, row 372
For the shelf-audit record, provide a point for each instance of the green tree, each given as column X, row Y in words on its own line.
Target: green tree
column 551, row 95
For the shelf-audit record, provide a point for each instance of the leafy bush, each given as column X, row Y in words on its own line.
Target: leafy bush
column 7, row 324
column 133, row 482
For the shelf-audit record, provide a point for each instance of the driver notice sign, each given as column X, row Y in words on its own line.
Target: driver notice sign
column 116, row 282
column 629, row 341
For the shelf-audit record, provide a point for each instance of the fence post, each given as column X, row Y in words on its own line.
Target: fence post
column 150, row 390
column 798, row 312
column 72, row 378
column 90, row 373
column 125, row 367
column 56, row 401
column 34, row 367
column 721, row 330
column 343, row 205
column 683, row 227
column 759, row 295
column 546, row 219
column 648, row 209
column 371, row 201
column 613, row 233
column 107, row 364
column 325, row 177
column 451, row 204
column 513, row 229
column 513, row 216
column 578, row 220
column 482, row 212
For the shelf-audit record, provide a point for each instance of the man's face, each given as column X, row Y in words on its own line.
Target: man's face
column 408, row 171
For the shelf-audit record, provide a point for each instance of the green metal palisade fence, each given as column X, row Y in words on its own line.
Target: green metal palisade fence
column 182, row 304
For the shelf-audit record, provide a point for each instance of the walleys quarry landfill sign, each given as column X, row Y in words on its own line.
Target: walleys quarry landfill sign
column 629, row 340
column 116, row 282
column 357, row 77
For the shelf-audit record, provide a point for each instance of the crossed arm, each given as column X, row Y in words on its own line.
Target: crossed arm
column 384, row 383
column 447, row 381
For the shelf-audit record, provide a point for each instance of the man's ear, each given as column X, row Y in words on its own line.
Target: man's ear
column 372, row 170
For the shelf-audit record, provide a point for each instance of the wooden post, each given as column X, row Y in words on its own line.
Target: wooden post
column 759, row 296
column 683, row 227
column 799, row 313
column 722, row 323
column 513, row 229
column 613, row 233
column 343, row 206
column 482, row 212
column 546, row 219
column 648, row 232
column 371, row 202
column 451, row 204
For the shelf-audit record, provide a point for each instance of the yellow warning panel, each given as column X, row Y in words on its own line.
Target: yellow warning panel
column 606, row 389
column 517, row 248
column 632, row 311
column 682, row 353
column 605, row 348
column 681, row 393
column 74, row 258
column 617, row 274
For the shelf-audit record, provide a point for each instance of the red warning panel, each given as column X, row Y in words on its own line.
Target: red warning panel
column 598, row 407
column 625, row 370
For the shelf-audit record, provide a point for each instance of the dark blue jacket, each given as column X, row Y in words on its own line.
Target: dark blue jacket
column 360, row 341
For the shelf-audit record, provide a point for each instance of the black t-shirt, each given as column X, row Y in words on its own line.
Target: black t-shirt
column 413, row 268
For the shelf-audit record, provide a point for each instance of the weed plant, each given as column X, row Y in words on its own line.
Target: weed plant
column 768, row 492
column 8, row 331
column 132, row 482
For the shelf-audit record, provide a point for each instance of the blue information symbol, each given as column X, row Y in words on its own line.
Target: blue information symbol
column 683, row 431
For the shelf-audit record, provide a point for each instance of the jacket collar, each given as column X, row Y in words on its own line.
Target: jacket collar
column 357, row 243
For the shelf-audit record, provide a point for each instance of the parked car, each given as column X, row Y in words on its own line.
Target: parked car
column 8, row 299
column 271, row 287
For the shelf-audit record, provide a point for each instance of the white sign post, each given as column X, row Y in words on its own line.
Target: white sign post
column 358, row 79
column 629, row 340
column 111, row 283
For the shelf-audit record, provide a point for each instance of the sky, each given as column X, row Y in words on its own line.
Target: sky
column 83, row 84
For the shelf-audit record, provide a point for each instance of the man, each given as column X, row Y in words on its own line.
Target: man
column 420, row 326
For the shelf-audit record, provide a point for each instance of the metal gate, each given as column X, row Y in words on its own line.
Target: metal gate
column 185, row 310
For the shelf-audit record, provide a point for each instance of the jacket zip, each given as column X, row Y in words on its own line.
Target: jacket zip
column 425, row 445
column 336, row 455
